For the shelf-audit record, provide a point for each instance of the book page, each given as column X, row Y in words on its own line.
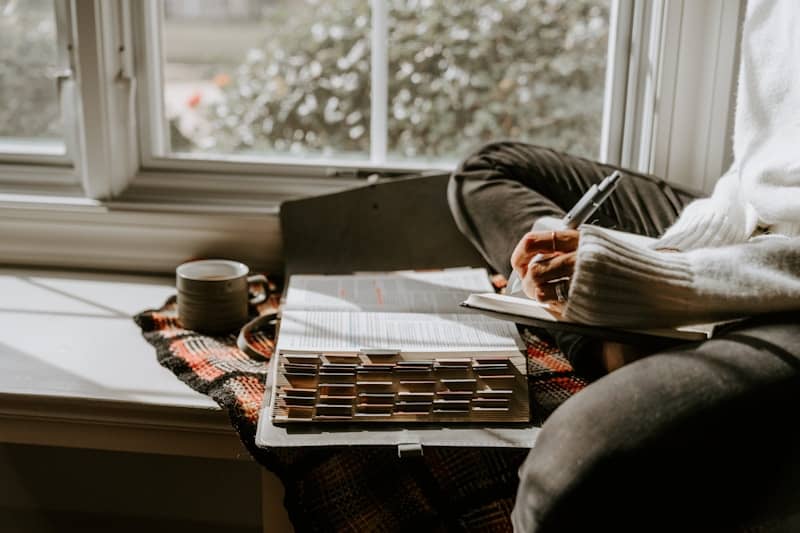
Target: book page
column 395, row 292
column 418, row 332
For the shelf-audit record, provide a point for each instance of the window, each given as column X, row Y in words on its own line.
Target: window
column 386, row 82
column 461, row 73
column 286, row 79
column 30, row 73
column 125, row 124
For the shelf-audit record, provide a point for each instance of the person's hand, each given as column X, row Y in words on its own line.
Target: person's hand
column 542, row 257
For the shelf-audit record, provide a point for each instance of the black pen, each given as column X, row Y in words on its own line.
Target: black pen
column 579, row 214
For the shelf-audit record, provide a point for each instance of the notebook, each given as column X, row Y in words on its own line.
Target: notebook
column 395, row 347
column 523, row 310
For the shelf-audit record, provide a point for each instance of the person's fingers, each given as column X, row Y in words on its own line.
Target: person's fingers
column 559, row 266
column 543, row 293
column 518, row 261
column 530, row 288
column 556, row 309
column 542, row 242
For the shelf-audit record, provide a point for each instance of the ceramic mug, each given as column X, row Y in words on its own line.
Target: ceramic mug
column 213, row 296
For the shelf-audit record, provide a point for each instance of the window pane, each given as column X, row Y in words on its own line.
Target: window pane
column 268, row 77
column 30, row 117
column 470, row 71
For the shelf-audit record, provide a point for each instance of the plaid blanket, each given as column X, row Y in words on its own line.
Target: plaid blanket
column 361, row 489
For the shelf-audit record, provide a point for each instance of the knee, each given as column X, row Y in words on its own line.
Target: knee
column 497, row 159
column 565, row 479
column 607, row 458
column 480, row 165
column 471, row 183
column 465, row 184
column 655, row 438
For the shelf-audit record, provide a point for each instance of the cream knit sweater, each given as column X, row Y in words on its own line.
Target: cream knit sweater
column 725, row 267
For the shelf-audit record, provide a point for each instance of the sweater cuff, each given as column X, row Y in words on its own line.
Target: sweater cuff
column 616, row 283
column 703, row 225
column 722, row 219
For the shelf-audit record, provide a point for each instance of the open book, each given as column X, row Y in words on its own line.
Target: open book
column 395, row 347
column 523, row 310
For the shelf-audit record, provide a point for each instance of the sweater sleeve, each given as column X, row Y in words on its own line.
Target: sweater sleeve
column 719, row 220
column 617, row 283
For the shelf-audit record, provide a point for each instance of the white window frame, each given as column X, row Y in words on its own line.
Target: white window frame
column 678, row 104
column 134, row 211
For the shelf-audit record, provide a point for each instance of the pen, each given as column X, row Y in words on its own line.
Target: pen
column 579, row 214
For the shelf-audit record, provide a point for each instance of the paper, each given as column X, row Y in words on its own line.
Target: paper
column 397, row 292
column 412, row 332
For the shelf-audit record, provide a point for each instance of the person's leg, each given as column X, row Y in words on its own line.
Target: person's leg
column 498, row 192
column 695, row 438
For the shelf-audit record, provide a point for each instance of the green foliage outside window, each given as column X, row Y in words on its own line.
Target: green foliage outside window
column 460, row 73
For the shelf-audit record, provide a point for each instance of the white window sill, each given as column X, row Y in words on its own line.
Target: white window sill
column 75, row 370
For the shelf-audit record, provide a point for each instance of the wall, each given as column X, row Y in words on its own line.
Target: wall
column 59, row 489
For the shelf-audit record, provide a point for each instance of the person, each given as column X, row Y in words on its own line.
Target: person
column 694, row 436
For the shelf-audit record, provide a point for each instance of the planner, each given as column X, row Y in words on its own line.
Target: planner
column 395, row 347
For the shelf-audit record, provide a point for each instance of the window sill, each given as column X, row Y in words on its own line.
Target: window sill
column 77, row 372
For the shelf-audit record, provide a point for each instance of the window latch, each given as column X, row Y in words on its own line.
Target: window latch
column 370, row 175
column 59, row 74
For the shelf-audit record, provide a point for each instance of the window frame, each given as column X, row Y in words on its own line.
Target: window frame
column 680, row 93
column 113, row 199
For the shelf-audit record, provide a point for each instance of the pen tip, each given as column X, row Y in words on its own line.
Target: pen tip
column 613, row 178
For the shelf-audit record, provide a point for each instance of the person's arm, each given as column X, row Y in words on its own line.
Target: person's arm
column 618, row 284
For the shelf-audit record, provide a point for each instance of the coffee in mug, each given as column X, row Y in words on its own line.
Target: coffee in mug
column 213, row 296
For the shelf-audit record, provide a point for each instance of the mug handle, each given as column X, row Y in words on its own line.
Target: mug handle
column 259, row 298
